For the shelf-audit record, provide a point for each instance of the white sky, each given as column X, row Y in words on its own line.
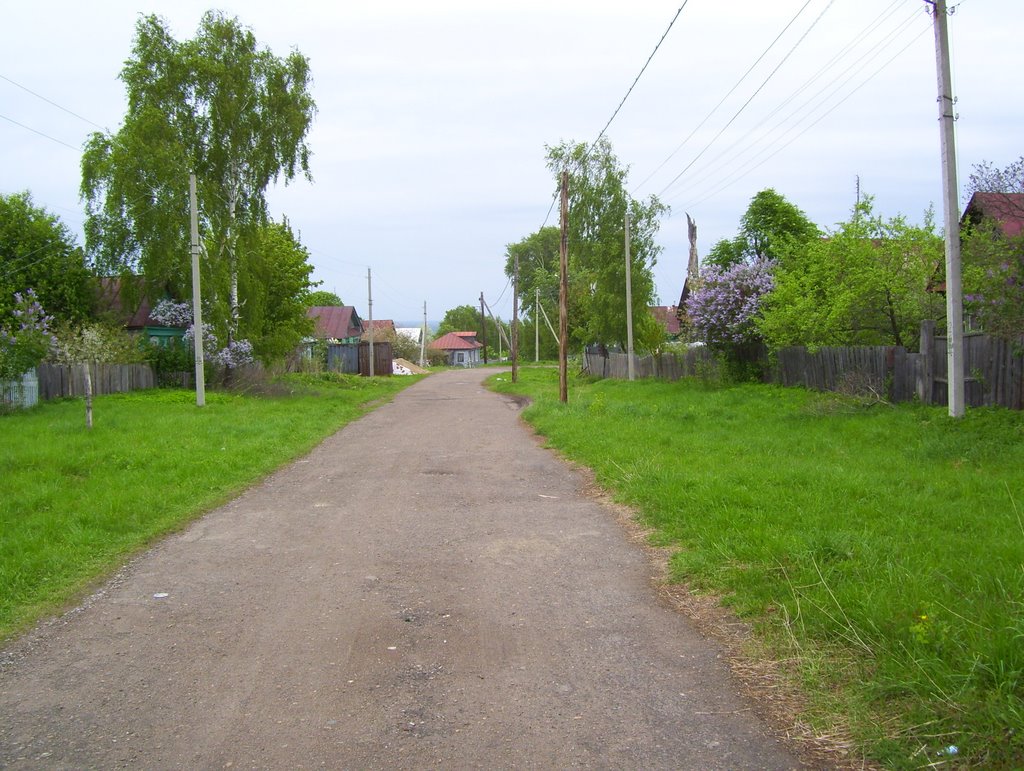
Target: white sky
column 428, row 145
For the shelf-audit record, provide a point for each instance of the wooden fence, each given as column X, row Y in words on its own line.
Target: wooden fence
column 58, row 381
column 993, row 369
column 354, row 358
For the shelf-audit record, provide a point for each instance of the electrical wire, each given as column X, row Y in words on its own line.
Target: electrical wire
column 40, row 133
column 747, row 103
column 724, row 98
column 50, row 101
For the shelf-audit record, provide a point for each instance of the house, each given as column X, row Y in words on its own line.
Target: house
column 336, row 322
column 382, row 329
column 462, row 348
column 1005, row 208
column 667, row 317
column 126, row 301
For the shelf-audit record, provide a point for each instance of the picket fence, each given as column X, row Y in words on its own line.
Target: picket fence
column 993, row 369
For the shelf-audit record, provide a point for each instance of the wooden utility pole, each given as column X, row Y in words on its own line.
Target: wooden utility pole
column 563, row 296
column 483, row 327
column 630, row 367
column 369, row 304
column 197, row 307
column 515, row 320
column 951, row 209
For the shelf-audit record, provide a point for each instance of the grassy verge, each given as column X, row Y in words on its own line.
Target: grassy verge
column 881, row 548
column 74, row 503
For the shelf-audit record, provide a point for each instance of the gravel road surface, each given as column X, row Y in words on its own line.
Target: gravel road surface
column 429, row 588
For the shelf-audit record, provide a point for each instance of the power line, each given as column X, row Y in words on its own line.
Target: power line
column 50, row 101
column 747, row 103
column 731, row 91
column 40, row 133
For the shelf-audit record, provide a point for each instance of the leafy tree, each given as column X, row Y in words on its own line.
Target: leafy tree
column 993, row 278
column 598, row 203
column 538, row 272
column 867, row 283
column 769, row 228
column 985, row 178
column 26, row 337
column 322, row 297
column 38, row 252
column 216, row 105
column 275, row 280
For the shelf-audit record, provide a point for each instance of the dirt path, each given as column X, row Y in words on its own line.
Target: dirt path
column 427, row 589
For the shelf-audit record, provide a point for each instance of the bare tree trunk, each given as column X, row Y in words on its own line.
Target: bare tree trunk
column 86, row 368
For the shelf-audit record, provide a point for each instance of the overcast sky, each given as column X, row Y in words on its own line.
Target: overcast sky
column 429, row 140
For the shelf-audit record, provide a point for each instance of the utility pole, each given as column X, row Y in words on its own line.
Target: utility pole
column 630, row 367
column 483, row 327
column 515, row 320
column 536, row 326
column 197, row 307
column 563, row 295
column 423, row 337
column 369, row 303
column 951, row 207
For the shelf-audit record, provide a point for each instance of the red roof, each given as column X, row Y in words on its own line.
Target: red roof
column 667, row 316
column 1006, row 208
column 112, row 297
column 336, row 321
column 378, row 324
column 456, row 341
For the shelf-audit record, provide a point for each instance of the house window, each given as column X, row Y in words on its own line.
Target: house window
column 460, row 357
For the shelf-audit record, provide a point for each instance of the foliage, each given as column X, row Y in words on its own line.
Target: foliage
column 771, row 227
column 867, row 283
column 598, row 204
column 985, row 178
column 75, row 504
column 876, row 550
column 25, row 337
column 993, row 278
column 725, row 303
column 218, row 106
column 539, row 269
column 235, row 353
column 38, row 251
column 96, row 342
column 275, row 280
column 321, row 297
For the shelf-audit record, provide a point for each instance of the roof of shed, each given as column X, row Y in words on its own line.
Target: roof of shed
column 336, row 321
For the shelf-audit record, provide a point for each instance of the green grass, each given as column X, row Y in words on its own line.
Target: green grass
column 881, row 547
column 75, row 503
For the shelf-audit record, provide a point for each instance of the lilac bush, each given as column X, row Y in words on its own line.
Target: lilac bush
column 173, row 314
column 723, row 307
column 26, row 339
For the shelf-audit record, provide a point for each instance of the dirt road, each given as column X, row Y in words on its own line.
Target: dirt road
column 427, row 589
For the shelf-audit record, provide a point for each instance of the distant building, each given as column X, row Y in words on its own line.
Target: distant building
column 461, row 348
column 336, row 322
column 125, row 302
column 668, row 317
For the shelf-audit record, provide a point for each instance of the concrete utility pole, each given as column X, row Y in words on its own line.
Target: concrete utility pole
column 563, row 296
column 423, row 337
column 630, row 368
column 515, row 320
column 369, row 304
column 951, row 207
column 536, row 325
column 197, row 308
column 483, row 327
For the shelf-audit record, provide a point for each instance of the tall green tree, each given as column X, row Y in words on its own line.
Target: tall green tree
column 598, row 202
column 321, row 297
column 867, row 283
column 217, row 105
column 538, row 277
column 770, row 227
column 38, row 252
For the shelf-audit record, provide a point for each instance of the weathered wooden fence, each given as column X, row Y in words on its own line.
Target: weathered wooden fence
column 58, row 381
column 993, row 369
column 354, row 358
column 667, row 366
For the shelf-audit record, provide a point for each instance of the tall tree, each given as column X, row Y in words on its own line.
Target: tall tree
column 598, row 202
column 986, row 178
column 38, row 252
column 321, row 297
column 770, row 227
column 219, row 106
